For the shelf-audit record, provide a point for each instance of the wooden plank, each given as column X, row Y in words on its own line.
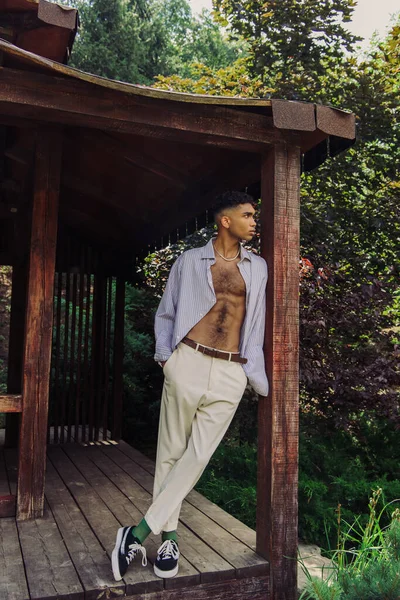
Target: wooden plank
column 236, row 589
column 78, row 399
column 39, row 322
column 106, row 399
column 124, row 506
column 49, row 569
column 88, row 313
column 210, row 565
column 231, row 524
column 99, row 356
column 101, row 520
column 57, row 350
column 13, row 585
column 72, row 354
column 278, row 415
column 235, row 527
column 87, row 554
column 10, row 403
column 246, row 562
column 72, row 102
column 118, row 358
column 67, row 333
column 7, row 506
column 93, row 364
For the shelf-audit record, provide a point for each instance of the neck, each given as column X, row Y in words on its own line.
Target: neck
column 227, row 247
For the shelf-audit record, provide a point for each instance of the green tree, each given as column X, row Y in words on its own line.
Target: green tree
column 115, row 38
column 290, row 40
column 136, row 40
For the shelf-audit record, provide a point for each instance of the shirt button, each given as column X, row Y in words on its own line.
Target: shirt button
column 201, row 314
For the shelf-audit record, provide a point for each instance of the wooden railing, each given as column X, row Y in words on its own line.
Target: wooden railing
column 10, row 403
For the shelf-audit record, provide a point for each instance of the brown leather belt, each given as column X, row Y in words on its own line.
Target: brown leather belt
column 231, row 356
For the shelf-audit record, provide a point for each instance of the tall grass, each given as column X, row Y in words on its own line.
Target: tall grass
column 366, row 562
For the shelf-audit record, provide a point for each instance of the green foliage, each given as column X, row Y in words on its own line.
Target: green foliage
column 136, row 40
column 366, row 562
column 336, row 467
column 290, row 40
column 142, row 375
column 194, row 39
column 340, row 468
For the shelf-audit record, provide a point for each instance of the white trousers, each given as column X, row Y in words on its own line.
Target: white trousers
column 199, row 399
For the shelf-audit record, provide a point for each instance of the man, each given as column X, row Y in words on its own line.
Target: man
column 209, row 331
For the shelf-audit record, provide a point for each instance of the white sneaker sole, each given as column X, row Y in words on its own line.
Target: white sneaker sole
column 166, row 574
column 114, row 556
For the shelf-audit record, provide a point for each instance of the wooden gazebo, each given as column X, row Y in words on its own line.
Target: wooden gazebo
column 94, row 174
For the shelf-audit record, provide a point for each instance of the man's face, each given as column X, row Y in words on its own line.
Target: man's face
column 241, row 223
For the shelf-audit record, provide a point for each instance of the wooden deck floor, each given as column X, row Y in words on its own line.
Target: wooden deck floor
column 90, row 492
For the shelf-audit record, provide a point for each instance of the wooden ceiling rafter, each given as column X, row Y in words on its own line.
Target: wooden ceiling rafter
column 97, row 210
column 194, row 201
column 98, row 232
column 138, row 158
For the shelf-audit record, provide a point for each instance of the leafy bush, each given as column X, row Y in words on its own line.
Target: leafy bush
column 142, row 375
column 335, row 467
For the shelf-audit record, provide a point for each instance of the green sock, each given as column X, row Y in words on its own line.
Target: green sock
column 141, row 531
column 169, row 535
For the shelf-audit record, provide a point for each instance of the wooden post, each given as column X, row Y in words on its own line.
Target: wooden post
column 278, row 414
column 118, row 357
column 39, row 323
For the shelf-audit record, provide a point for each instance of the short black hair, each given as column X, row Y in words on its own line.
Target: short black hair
column 230, row 199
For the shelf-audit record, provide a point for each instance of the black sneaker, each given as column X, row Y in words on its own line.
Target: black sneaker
column 127, row 547
column 166, row 564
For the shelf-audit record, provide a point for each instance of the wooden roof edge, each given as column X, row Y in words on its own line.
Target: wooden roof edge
column 307, row 117
column 287, row 114
column 128, row 88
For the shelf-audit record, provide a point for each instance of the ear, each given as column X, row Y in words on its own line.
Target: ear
column 225, row 222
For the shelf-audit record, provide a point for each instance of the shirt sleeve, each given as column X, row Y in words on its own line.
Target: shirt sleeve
column 255, row 367
column 165, row 315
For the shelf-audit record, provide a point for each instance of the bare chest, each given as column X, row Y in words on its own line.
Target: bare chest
column 227, row 280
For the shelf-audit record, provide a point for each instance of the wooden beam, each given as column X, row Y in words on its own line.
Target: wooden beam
column 71, row 102
column 89, row 199
column 97, row 230
column 278, row 414
column 10, row 403
column 39, row 323
column 137, row 157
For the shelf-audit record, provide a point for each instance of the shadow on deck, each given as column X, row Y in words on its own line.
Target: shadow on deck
column 90, row 492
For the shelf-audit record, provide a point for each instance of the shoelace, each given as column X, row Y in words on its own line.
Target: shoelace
column 168, row 549
column 134, row 549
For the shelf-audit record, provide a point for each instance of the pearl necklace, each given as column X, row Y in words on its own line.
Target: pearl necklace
column 224, row 257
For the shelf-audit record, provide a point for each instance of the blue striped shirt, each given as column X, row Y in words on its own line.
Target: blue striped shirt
column 189, row 295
